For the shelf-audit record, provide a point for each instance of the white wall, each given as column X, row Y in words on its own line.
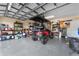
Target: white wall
column 73, row 30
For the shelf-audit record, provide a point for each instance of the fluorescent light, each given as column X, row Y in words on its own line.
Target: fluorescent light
column 48, row 17
column 9, row 6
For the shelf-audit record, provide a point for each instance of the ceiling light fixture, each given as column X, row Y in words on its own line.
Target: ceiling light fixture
column 9, row 6
column 48, row 17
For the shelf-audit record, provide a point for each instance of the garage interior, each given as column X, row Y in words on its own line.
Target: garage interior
column 39, row 29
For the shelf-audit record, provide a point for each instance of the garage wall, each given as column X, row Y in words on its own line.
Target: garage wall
column 26, row 23
column 68, row 10
column 73, row 30
column 8, row 21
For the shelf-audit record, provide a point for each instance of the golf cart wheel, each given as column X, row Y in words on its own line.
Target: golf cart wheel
column 44, row 42
column 34, row 39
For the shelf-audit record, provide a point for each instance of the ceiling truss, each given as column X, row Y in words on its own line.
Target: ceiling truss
column 14, row 11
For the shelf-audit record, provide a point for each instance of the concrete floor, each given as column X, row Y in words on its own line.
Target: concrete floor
column 27, row 47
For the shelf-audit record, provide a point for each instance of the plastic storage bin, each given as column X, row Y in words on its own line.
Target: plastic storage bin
column 74, row 44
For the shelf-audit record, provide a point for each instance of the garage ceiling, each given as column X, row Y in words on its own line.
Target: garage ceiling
column 24, row 11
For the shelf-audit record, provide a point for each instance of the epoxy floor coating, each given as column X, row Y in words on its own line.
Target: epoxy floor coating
column 28, row 47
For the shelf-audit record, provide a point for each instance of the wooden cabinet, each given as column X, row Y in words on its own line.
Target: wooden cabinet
column 18, row 27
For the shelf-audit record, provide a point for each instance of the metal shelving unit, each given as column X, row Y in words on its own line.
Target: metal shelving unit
column 6, row 35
